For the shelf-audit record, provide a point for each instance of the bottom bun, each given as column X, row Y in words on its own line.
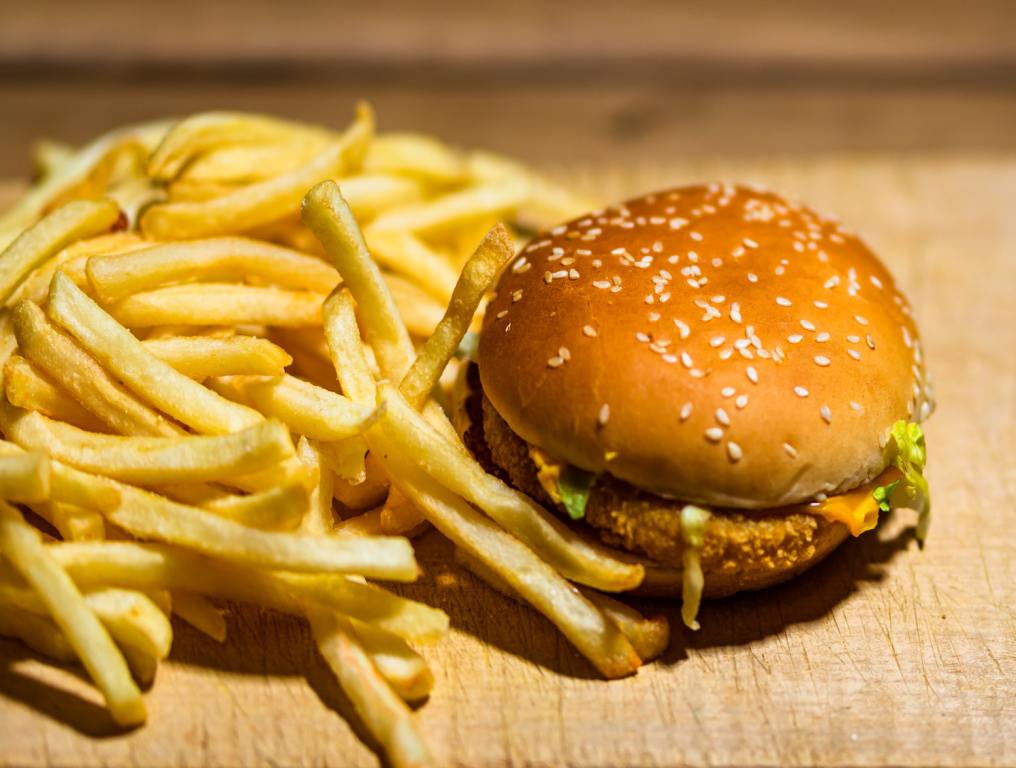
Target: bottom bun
column 742, row 550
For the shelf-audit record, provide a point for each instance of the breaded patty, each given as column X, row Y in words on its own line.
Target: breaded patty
column 742, row 549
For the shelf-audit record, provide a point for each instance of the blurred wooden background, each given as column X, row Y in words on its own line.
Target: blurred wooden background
column 554, row 82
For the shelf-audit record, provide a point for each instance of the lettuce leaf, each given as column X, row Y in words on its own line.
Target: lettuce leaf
column 910, row 456
column 883, row 495
column 573, row 486
column 693, row 536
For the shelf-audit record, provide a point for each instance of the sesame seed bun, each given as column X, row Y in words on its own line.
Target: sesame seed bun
column 712, row 344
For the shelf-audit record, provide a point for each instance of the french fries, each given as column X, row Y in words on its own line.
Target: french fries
column 187, row 394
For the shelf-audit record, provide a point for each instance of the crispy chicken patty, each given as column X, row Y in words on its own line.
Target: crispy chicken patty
column 742, row 549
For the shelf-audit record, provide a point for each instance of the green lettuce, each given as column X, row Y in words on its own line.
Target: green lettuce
column 909, row 454
column 693, row 536
column 573, row 486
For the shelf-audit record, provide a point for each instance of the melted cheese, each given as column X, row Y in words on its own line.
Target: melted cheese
column 547, row 473
column 856, row 509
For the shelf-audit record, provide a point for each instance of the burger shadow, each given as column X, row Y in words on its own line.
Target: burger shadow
column 749, row 617
column 478, row 610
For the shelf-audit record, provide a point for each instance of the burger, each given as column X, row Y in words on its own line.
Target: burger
column 715, row 379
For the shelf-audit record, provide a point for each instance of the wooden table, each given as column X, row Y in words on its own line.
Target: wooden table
column 883, row 654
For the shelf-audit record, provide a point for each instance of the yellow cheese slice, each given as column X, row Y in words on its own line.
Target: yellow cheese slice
column 856, row 509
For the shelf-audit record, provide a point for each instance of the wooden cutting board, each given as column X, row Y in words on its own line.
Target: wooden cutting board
column 883, row 654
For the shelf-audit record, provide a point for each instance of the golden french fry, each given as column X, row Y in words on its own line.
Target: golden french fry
column 85, row 380
column 22, row 547
column 595, row 636
column 247, row 163
column 415, row 154
column 126, row 358
column 399, row 515
column 431, row 452
column 67, row 485
column 133, row 620
column 486, row 203
column 477, row 276
column 366, row 494
column 153, row 460
column 280, row 508
column 115, row 276
column 404, row 669
column 74, row 221
column 72, row 522
column 408, row 255
column 346, row 458
column 319, row 519
column 361, row 524
column 49, row 155
column 200, row 614
column 346, row 349
column 145, row 566
column 308, row 410
column 26, row 388
column 386, row 716
column 265, row 201
column 327, row 215
column 219, row 304
column 199, row 134
column 199, row 357
column 25, row 477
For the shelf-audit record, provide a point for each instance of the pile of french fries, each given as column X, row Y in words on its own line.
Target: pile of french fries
column 223, row 342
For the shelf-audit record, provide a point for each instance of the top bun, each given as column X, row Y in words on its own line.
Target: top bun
column 715, row 344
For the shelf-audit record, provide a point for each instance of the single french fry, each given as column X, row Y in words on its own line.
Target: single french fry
column 327, row 215
column 27, row 388
column 69, row 366
column 126, row 358
column 263, row 202
column 199, row 357
column 37, row 632
column 146, row 565
column 370, row 194
column 247, row 163
column 72, row 522
column 477, row 276
column 73, row 221
column 319, row 519
column 417, row 155
column 200, row 614
column 308, row 410
column 456, row 209
column 361, row 524
column 280, row 508
column 116, row 276
column 153, row 460
column 386, row 716
column 22, row 547
column 219, row 304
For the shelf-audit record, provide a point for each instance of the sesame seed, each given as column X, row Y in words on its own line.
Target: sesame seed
column 696, row 373
column 783, row 302
column 555, row 362
column 752, row 374
column 597, row 283
column 752, row 277
column 854, row 354
column 734, row 451
column 683, row 328
column 728, row 391
column 791, row 450
column 875, row 281
column 716, row 341
column 808, row 325
column 714, row 434
column 725, row 354
column 856, row 406
column 686, row 411
column 548, row 277
column 741, row 401
column 832, row 282
column 677, row 223
column 517, row 295
column 564, row 353
column 567, row 261
column 822, row 360
column 696, row 236
column 795, row 338
column 722, row 417
column 870, row 341
column 749, row 243
column 642, row 336
column 821, row 304
column 573, row 274
column 619, row 251
column 670, row 359
column 861, row 319
column 604, row 415
column 800, row 391
column 589, row 331
column 502, row 314
column 735, row 312
column 686, row 360
column 826, row 414
column 822, row 337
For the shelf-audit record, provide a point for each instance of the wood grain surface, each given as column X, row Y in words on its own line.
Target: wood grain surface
column 884, row 654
